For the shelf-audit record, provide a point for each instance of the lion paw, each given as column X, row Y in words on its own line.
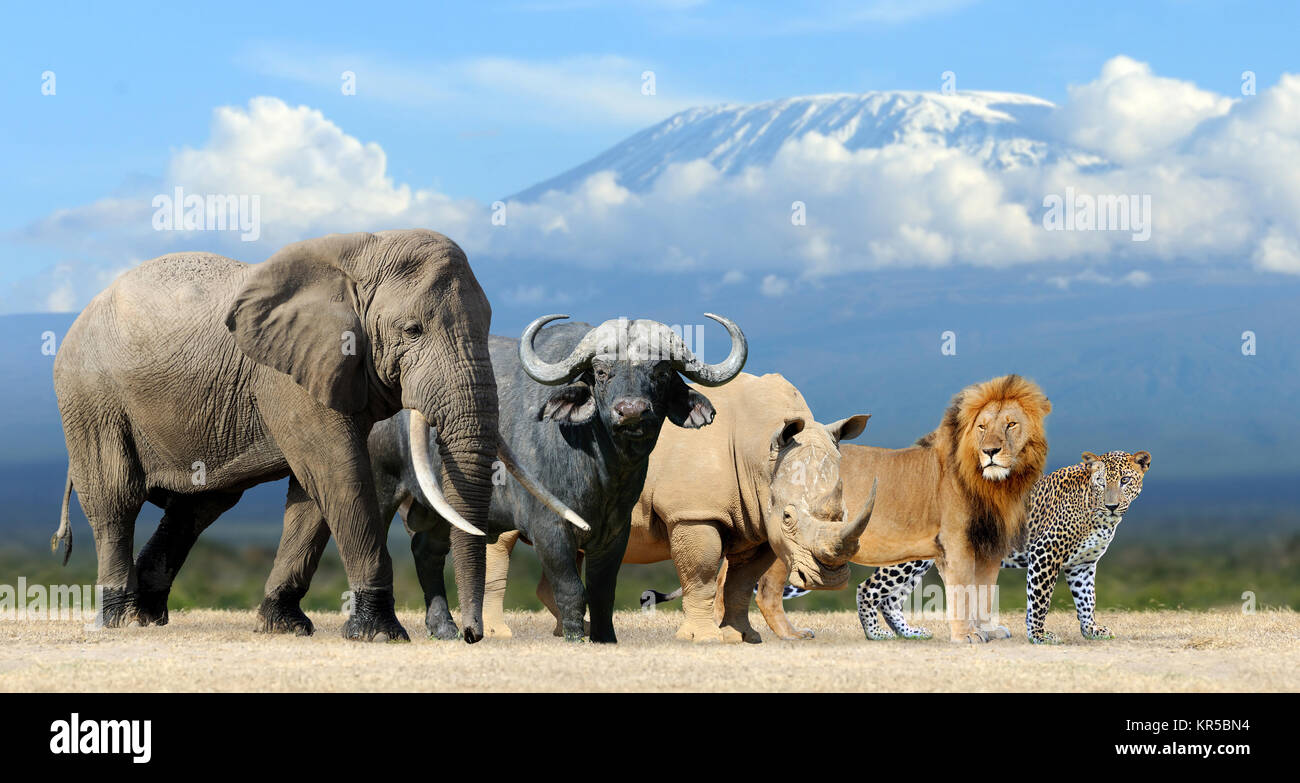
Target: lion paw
column 973, row 636
column 999, row 632
column 797, row 634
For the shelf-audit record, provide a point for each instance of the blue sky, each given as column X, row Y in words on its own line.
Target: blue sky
column 134, row 84
column 460, row 104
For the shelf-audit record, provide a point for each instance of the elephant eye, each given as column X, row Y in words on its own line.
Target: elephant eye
column 413, row 330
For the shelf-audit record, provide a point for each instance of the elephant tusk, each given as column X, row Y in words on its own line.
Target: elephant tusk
column 424, row 474
column 541, row 493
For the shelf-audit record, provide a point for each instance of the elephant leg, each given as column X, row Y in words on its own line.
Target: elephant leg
column 546, row 594
column 743, row 572
column 771, row 588
column 331, row 462
column 184, row 519
column 697, row 552
column 110, row 488
column 302, row 542
column 559, row 557
column 602, row 577
column 494, row 590
column 430, row 543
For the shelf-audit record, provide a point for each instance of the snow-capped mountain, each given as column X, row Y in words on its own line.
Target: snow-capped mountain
column 1004, row 130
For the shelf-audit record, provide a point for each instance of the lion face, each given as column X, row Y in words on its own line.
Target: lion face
column 1001, row 430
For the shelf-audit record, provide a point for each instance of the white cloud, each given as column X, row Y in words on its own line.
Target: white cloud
column 774, row 286
column 600, row 90
column 1220, row 175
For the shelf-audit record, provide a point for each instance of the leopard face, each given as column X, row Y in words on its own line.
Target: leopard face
column 1115, row 482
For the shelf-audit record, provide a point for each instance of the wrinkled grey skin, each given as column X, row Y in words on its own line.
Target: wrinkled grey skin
column 270, row 370
column 577, row 444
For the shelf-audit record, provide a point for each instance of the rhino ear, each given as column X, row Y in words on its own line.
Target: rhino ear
column 570, row 404
column 297, row 313
column 688, row 408
column 782, row 437
column 847, row 429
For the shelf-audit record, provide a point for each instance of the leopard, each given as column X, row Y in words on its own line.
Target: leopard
column 1072, row 518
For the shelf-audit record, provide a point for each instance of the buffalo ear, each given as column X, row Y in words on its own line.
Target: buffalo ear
column 688, row 408
column 782, row 437
column 1143, row 460
column 847, row 429
column 571, row 404
column 297, row 313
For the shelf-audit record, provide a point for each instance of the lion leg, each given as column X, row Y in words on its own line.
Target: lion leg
column 961, row 599
column 771, row 587
column 892, row 604
column 986, row 576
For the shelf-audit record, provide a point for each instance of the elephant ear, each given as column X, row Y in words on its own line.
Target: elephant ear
column 297, row 313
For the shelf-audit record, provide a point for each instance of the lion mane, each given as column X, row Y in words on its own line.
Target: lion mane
column 997, row 509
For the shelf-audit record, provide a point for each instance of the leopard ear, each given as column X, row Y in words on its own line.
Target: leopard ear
column 1143, row 460
column 1092, row 461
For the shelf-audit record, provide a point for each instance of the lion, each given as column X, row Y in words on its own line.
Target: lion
column 958, row 496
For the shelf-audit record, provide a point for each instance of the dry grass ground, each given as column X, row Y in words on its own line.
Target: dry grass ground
column 208, row 650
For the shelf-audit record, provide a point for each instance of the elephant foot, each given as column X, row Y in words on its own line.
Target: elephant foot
column 734, row 635
column 602, row 636
column 280, row 613
column 700, row 633
column 373, row 618
column 151, row 607
column 116, row 608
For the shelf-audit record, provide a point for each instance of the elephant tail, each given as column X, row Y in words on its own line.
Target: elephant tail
column 64, row 532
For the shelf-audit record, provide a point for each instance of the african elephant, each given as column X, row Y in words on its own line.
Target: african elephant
column 194, row 377
column 588, row 441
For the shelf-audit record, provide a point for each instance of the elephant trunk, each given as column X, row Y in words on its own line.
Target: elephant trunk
column 464, row 410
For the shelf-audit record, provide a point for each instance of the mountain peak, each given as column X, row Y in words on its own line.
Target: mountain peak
column 1004, row 130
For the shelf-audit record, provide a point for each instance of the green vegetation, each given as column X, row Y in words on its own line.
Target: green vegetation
column 1140, row 572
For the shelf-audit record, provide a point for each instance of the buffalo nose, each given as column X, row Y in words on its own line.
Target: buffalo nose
column 993, row 450
column 630, row 409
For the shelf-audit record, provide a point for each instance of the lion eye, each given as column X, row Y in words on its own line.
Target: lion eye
column 1010, row 424
column 981, row 428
